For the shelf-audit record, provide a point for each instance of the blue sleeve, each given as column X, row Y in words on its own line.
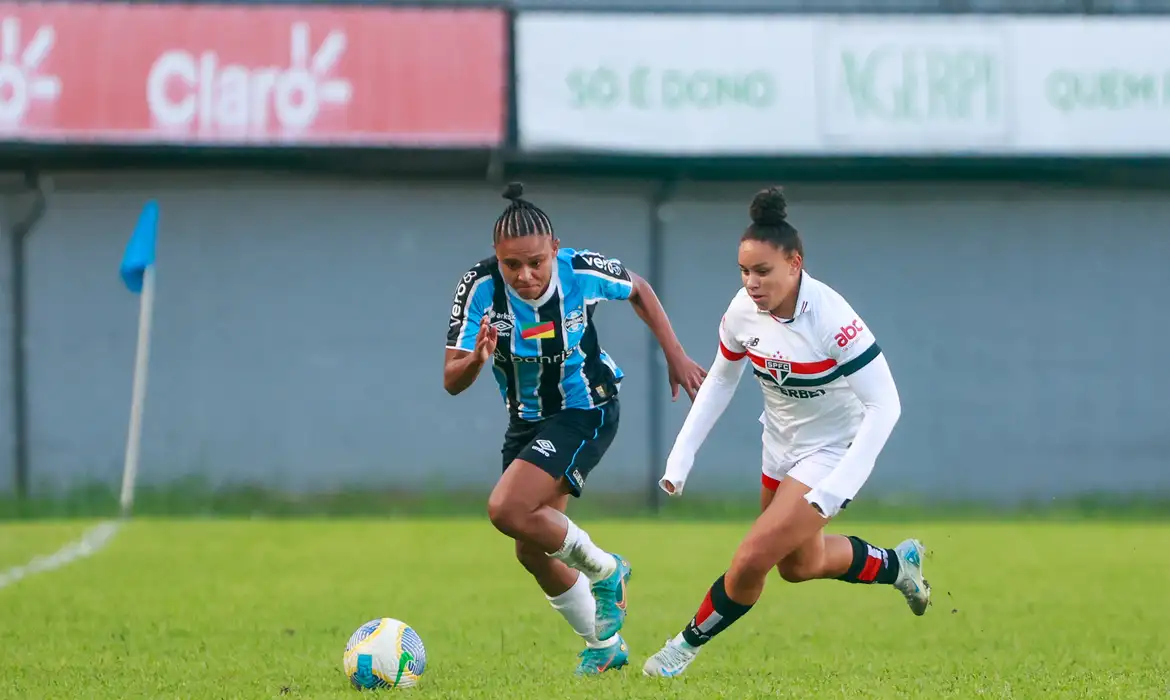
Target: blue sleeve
column 600, row 277
column 473, row 299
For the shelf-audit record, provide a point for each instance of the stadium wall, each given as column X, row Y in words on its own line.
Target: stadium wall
column 300, row 323
column 9, row 214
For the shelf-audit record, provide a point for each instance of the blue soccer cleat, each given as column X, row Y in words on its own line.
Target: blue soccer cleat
column 610, row 594
column 610, row 658
column 911, row 583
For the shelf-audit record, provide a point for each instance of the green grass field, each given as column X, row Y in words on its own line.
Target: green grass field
column 262, row 609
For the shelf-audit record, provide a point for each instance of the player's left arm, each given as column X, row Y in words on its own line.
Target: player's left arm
column 849, row 341
column 710, row 403
column 608, row 278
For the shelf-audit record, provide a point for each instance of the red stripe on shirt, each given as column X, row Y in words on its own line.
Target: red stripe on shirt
column 799, row 367
column 733, row 356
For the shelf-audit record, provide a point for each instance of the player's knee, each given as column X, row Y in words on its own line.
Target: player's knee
column 504, row 513
column 752, row 561
column 798, row 571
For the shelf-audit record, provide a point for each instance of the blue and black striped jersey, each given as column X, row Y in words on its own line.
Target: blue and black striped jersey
column 548, row 357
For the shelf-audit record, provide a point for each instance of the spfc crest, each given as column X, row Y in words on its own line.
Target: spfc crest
column 778, row 369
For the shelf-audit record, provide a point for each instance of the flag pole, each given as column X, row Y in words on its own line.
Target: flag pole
column 138, row 399
column 137, row 270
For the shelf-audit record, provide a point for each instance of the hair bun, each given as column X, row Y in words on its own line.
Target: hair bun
column 769, row 208
column 513, row 191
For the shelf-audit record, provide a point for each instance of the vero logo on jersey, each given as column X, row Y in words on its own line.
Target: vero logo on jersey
column 848, row 333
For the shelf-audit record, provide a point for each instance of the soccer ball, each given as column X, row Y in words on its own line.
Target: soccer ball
column 384, row 653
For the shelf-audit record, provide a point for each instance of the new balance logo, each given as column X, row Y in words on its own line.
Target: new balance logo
column 848, row 333
column 545, row 448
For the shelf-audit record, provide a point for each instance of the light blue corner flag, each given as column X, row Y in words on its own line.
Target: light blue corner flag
column 140, row 250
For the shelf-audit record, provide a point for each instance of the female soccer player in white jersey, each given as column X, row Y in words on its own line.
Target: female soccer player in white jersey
column 527, row 312
column 830, row 404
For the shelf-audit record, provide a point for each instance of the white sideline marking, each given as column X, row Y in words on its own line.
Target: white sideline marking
column 91, row 541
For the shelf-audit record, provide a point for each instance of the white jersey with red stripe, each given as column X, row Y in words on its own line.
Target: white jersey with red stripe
column 801, row 364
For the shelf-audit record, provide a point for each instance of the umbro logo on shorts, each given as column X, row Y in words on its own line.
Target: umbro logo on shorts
column 545, row 448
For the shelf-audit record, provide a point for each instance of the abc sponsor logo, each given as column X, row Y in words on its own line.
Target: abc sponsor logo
column 848, row 333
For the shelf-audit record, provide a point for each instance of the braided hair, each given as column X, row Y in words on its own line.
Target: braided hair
column 521, row 217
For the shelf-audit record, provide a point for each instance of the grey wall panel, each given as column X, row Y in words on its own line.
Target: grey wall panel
column 298, row 330
column 1020, row 324
column 7, row 435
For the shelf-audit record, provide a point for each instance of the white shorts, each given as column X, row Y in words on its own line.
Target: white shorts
column 809, row 470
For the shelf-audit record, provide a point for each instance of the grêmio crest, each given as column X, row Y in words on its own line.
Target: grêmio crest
column 778, row 369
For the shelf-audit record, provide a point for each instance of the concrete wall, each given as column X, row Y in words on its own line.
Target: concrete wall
column 1022, row 325
column 300, row 323
column 11, row 209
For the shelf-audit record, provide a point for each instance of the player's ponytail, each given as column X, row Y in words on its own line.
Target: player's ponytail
column 769, row 213
column 521, row 217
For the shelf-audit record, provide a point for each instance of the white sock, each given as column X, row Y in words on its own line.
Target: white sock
column 579, row 610
column 579, row 552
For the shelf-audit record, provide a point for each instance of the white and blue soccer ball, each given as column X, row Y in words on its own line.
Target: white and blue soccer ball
column 384, row 653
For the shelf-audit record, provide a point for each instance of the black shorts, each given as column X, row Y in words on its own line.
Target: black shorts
column 569, row 443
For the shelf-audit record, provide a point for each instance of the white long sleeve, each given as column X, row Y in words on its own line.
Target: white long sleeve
column 874, row 386
column 710, row 403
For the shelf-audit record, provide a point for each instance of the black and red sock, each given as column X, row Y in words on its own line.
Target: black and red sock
column 716, row 613
column 870, row 564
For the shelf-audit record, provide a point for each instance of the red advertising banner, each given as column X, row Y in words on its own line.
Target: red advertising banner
column 224, row 75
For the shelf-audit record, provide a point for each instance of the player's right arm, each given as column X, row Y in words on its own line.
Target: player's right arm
column 471, row 339
column 712, row 400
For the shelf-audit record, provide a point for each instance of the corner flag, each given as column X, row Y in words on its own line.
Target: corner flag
column 137, row 272
column 140, row 249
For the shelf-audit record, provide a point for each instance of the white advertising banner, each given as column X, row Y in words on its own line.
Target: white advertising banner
column 664, row 84
column 901, row 86
column 766, row 85
column 1093, row 87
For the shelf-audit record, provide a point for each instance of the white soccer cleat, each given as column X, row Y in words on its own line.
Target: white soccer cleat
column 670, row 661
column 910, row 582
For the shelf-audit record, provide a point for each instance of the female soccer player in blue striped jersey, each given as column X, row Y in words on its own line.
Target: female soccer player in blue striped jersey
column 528, row 310
column 830, row 403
